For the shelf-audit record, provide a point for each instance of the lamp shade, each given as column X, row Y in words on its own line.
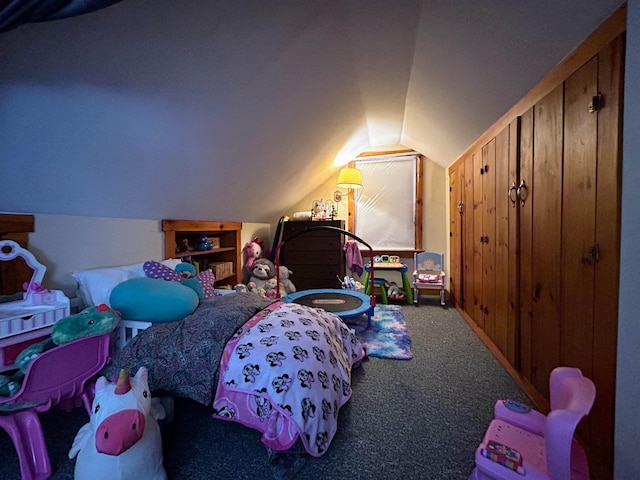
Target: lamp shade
column 350, row 178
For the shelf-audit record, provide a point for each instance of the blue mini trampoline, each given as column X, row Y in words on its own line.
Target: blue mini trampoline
column 344, row 303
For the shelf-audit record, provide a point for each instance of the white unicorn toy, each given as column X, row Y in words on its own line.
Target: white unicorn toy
column 122, row 439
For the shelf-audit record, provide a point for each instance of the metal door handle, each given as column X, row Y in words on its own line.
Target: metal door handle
column 522, row 192
column 513, row 194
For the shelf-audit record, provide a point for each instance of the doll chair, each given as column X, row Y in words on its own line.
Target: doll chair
column 428, row 275
column 524, row 444
column 55, row 377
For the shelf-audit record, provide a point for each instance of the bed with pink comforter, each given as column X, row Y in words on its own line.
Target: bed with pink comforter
column 281, row 368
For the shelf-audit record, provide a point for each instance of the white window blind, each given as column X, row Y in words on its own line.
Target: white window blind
column 385, row 205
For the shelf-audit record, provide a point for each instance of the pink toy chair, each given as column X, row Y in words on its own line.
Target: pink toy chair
column 524, row 444
column 56, row 377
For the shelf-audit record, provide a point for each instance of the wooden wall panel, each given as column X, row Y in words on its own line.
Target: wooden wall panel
column 468, row 273
column 607, row 269
column 579, row 213
column 563, row 242
column 547, row 217
column 526, row 260
column 489, row 235
column 456, row 180
column 513, row 328
column 502, row 210
column 478, row 166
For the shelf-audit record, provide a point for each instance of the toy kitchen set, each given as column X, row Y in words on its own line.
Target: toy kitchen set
column 26, row 316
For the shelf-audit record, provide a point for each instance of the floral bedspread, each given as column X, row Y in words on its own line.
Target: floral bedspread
column 183, row 357
column 286, row 374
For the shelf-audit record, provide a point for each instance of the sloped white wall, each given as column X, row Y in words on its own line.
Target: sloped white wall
column 204, row 109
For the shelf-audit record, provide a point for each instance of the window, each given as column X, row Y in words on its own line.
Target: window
column 387, row 210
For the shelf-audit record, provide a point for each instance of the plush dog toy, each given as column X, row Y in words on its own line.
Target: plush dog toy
column 122, row 439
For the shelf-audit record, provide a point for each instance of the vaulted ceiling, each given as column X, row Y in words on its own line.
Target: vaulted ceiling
column 235, row 109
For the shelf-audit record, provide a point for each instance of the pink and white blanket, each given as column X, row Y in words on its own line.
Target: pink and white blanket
column 286, row 374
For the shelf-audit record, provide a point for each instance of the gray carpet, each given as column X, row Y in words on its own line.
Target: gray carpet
column 408, row 419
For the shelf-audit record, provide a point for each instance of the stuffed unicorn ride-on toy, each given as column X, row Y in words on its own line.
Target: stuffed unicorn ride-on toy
column 122, row 440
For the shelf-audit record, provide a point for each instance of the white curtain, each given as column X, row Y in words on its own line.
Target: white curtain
column 385, row 205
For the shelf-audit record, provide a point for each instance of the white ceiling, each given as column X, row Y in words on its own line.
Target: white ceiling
column 236, row 109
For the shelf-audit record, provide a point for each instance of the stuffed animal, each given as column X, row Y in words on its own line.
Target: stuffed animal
column 185, row 273
column 203, row 244
column 251, row 287
column 263, row 269
column 394, row 292
column 90, row 321
column 252, row 251
column 240, row 287
column 320, row 210
column 286, row 285
column 271, row 288
column 122, row 439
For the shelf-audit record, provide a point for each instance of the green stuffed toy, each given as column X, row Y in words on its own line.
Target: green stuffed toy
column 90, row 321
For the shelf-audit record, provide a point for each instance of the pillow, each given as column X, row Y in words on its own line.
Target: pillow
column 206, row 278
column 95, row 285
column 153, row 300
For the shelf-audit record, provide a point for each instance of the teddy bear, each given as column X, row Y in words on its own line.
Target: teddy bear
column 286, row 285
column 262, row 270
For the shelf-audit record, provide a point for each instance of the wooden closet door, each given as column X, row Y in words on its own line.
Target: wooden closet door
column 546, row 202
column 489, row 238
column 525, row 227
column 478, row 233
column 590, row 246
column 502, row 337
column 540, row 195
column 456, row 180
column 579, row 213
column 468, row 247
column 607, row 269
column 513, row 327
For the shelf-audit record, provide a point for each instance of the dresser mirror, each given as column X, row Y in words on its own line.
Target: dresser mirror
column 20, row 275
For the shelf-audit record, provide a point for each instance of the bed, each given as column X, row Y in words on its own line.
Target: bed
column 281, row 368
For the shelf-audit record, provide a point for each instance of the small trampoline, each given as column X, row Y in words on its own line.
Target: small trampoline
column 344, row 303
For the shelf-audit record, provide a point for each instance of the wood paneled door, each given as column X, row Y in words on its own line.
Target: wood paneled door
column 538, row 239
column 590, row 232
column 569, row 226
column 456, row 232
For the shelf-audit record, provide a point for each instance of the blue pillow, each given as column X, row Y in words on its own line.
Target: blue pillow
column 153, row 300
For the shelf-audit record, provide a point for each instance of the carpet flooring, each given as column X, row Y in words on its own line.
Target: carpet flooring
column 417, row 419
column 388, row 336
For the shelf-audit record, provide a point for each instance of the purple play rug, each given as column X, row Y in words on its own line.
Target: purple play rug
column 388, row 337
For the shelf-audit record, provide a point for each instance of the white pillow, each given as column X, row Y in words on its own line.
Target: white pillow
column 95, row 285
